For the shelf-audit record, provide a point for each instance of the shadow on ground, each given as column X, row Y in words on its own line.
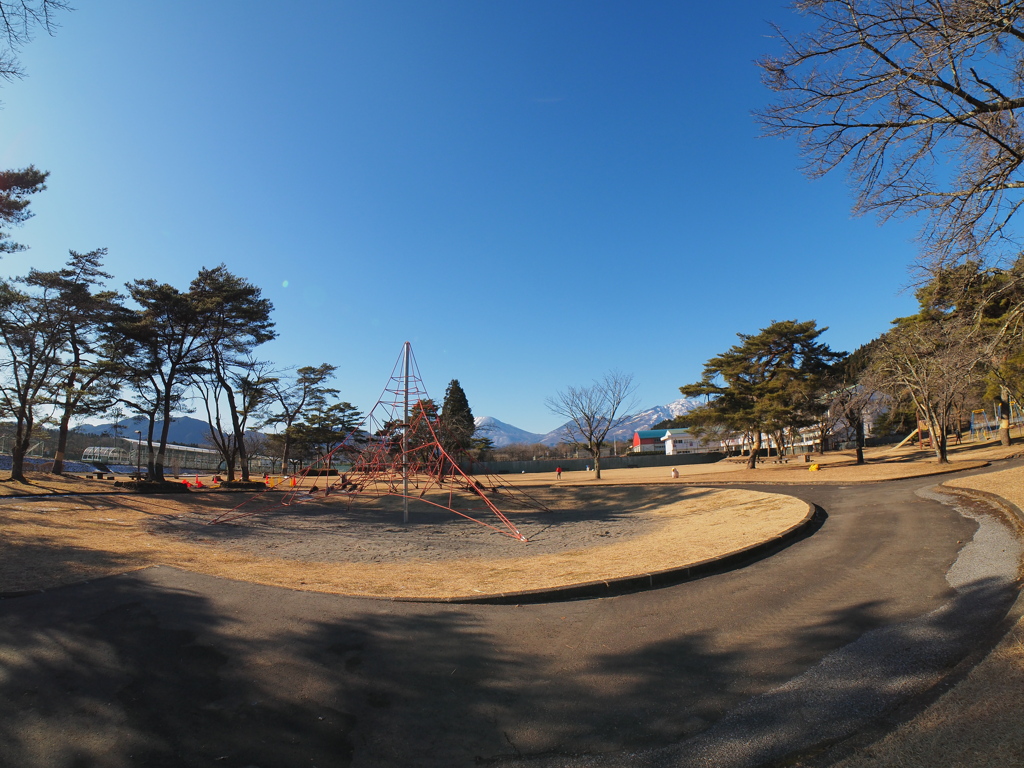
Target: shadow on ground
column 133, row 671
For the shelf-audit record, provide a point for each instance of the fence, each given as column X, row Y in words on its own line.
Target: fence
column 574, row 465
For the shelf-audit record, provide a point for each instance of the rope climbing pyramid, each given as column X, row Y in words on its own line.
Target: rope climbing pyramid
column 401, row 449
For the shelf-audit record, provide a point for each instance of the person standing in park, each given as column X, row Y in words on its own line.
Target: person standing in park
column 558, row 473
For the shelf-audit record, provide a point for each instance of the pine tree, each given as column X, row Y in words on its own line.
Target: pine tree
column 457, row 423
column 761, row 385
column 15, row 188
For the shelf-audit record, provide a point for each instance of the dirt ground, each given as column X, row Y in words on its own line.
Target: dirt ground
column 837, row 467
column 632, row 521
column 364, row 549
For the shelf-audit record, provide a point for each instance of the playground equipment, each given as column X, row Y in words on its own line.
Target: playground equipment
column 986, row 427
column 922, row 434
column 399, row 450
column 982, row 427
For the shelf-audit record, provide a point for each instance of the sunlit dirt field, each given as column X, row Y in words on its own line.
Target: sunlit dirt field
column 324, row 545
column 632, row 521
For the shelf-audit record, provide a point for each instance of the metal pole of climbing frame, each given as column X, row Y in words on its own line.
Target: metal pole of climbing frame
column 405, row 437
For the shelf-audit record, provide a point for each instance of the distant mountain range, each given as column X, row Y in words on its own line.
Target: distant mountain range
column 502, row 434
column 184, row 430
column 188, row 431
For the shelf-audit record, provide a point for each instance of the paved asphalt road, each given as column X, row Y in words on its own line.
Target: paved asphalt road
column 168, row 668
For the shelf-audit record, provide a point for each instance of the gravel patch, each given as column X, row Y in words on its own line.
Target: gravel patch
column 992, row 556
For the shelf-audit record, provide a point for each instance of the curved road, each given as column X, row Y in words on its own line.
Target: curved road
column 169, row 668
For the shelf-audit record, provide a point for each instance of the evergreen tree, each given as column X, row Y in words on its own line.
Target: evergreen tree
column 167, row 331
column 15, row 187
column 423, row 427
column 235, row 320
column 84, row 313
column 30, row 340
column 457, row 423
column 327, row 427
column 763, row 384
column 308, row 391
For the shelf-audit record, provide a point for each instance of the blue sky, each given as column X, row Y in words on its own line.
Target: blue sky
column 532, row 193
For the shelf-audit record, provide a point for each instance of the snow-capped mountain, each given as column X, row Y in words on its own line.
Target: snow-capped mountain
column 502, row 434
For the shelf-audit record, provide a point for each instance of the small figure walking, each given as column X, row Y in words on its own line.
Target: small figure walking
column 558, row 473
column 675, row 473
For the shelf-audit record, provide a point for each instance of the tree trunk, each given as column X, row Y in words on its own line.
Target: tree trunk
column 937, row 433
column 62, row 444
column 69, row 405
column 236, row 428
column 150, row 455
column 755, row 448
column 22, row 440
column 18, row 461
column 859, row 437
column 242, row 454
column 227, row 455
column 596, row 452
column 161, row 454
column 286, row 452
column 1004, row 416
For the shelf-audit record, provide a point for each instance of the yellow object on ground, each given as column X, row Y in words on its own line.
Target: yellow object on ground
column 814, row 467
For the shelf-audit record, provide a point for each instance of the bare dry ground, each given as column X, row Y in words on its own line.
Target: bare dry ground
column 643, row 526
column 322, row 546
column 837, row 467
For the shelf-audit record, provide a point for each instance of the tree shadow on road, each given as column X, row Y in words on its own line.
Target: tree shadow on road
column 122, row 673
column 126, row 672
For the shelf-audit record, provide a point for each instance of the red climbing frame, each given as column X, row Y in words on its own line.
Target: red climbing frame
column 397, row 451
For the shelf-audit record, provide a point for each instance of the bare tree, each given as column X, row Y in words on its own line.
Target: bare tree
column 251, row 392
column 850, row 406
column 849, row 396
column 919, row 99
column 594, row 411
column 936, row 362
column 18, row 21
